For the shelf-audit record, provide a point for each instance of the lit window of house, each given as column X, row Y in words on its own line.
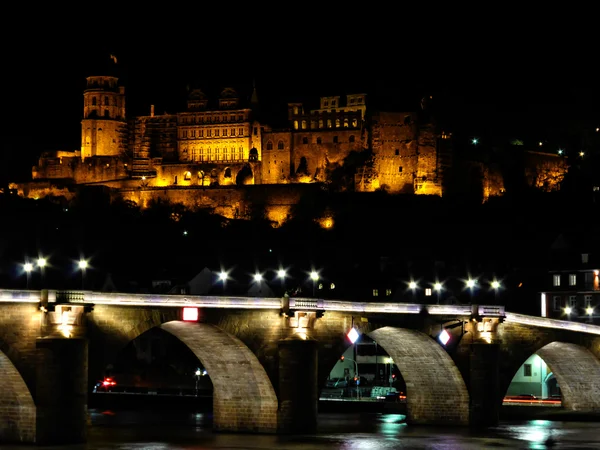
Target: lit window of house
column 588, row 301
column 556, row 303
column 584, row 258
column 526, row 370
column 388, row 292
column 428, row 292
column 556, row 279
column 375, row 292
column 572, row 301
column 572, row 279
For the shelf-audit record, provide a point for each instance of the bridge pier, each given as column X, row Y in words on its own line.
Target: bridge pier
column 485, row 402
column 61, row 390
column 298, row 386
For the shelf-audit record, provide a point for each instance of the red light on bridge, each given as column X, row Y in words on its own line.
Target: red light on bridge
column 190, row 314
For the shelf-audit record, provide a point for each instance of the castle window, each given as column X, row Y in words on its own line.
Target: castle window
column 313, row 124
column 240, row 153
column 280, row 145
column 354, row 123
column 407, row 120
column 320, row 123
column 93, row 101
column 184, row 133
column 269, row 145
column 240, row 131
column 255, row 131
column 351, row 138
column 352, row 101
column 217, row 132
column 232, row 118
column 209, row 132
column 335, row 139
column 240, row 117
column 332, row 102
column 193, row 133
column 295, row 110
column 337, row 123
column 295, row 124
column 187, row 176
column 304, row 124
column 201, row 133
column 360, row 100
column 397, row 152
column 325, row 103
column 345, row 122
column 225, row 132
column 105, row 101
column 328, row 123
column 233, row 131
column 319, row 140
column 400, row 169
column 305, row 140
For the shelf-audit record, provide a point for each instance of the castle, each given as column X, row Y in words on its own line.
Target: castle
column 205, row 156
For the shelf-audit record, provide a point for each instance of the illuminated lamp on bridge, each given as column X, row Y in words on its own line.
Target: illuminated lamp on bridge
column 353, row 335
column 190, row 314
column 444, row 337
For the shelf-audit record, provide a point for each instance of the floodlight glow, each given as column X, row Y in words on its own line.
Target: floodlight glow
column 281, row 273
column 83, row 264
column 470, row 283
column 314, row 276
column 28, row 267
column 568, row 310
column 444, row 337
column 257, row 277
column 495, row 284
column 190, row 314
column 41, row 262
column 437, row 286
column 560, row 151
column 223, row 276
column 198, row 372
column 474, row 141
column 412, row 285
column 581, row 153
column 352, row 335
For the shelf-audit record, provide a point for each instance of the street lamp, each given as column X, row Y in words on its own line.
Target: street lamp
column 41, row 262
column 495, row 287
column 28, row 267
column 257, row 277
column 438, row 287
column 314, row 276
column 83, row 264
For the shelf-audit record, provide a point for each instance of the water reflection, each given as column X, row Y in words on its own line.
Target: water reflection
column 178, row 430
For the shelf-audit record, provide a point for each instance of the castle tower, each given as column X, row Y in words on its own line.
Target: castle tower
column 103, row 128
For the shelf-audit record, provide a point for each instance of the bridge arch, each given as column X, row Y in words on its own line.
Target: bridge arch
column 17, row 408
column 435, row 389
column 578, row 373
column 243, row 397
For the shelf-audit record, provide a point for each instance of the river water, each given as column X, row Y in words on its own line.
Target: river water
column 172, row 430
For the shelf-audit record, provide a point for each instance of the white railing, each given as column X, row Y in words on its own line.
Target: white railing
column 552, row 323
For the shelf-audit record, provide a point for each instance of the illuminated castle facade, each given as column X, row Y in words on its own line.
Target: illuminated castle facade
column 202, row 156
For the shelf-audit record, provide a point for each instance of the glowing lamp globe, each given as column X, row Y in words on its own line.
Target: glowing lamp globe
column 352, row 335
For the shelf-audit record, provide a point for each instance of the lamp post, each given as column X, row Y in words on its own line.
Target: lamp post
column 495, row 287
column 314, row 276
column 281, row 273
column 82, row 266
column 41, row 262
column 197, row 375
column 438, row 289
column 28, row 267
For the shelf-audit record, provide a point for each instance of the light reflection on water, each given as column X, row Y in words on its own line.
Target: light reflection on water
column 173, row 430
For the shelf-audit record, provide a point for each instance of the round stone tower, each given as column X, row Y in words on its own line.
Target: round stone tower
column 103, row 128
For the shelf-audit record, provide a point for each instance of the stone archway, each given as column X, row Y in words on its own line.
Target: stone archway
column 17, row 409
column 577, row 371
column 243, row 398
column 435, row 390
column 244, row 176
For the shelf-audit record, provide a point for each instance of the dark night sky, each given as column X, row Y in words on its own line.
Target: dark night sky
column 517, row 79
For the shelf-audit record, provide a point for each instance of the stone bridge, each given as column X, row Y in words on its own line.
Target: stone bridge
column 54, row 345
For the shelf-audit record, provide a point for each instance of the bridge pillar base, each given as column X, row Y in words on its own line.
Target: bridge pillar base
column 298, row 386
column 61, row 391
column 485, row 397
